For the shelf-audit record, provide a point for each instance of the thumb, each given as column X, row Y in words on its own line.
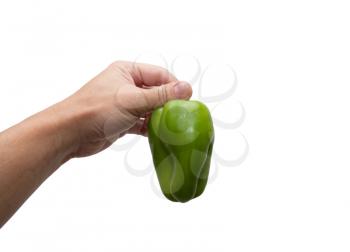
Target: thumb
column 157, row 96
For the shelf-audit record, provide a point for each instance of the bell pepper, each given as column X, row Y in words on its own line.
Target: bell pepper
column 181, row 137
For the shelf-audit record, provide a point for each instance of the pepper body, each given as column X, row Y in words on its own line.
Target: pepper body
column 181, row 137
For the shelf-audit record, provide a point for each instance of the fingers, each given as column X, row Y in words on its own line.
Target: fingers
column 139, row 101
column 154, row 98
column 159, row 95
column 147, row 75
column 154, row 87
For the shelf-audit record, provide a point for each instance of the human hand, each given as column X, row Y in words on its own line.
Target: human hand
column 118, row 101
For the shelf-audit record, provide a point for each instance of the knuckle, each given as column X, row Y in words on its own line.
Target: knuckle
column 116, row 64
column 162, row 94
column 165, row 94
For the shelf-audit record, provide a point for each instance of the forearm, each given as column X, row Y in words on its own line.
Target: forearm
column 112, row 104
column 31, row 151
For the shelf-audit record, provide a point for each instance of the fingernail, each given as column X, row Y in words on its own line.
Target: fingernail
column 182, row 90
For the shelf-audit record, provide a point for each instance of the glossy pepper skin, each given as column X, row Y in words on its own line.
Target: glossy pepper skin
column 181, row 137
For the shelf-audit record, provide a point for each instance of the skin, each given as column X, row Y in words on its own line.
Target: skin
column 116, row 102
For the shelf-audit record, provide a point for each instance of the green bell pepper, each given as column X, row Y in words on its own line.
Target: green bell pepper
column 181, row 137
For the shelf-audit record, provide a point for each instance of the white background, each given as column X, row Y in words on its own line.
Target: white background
column 292, row 59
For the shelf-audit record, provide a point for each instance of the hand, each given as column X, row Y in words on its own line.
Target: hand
column 118, row 101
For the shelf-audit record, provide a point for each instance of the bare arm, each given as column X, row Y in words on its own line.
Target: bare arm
column 29, row 153
column 112, row 104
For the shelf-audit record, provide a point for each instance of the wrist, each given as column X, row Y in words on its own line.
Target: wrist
column 64, row 122
column 76, row 120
